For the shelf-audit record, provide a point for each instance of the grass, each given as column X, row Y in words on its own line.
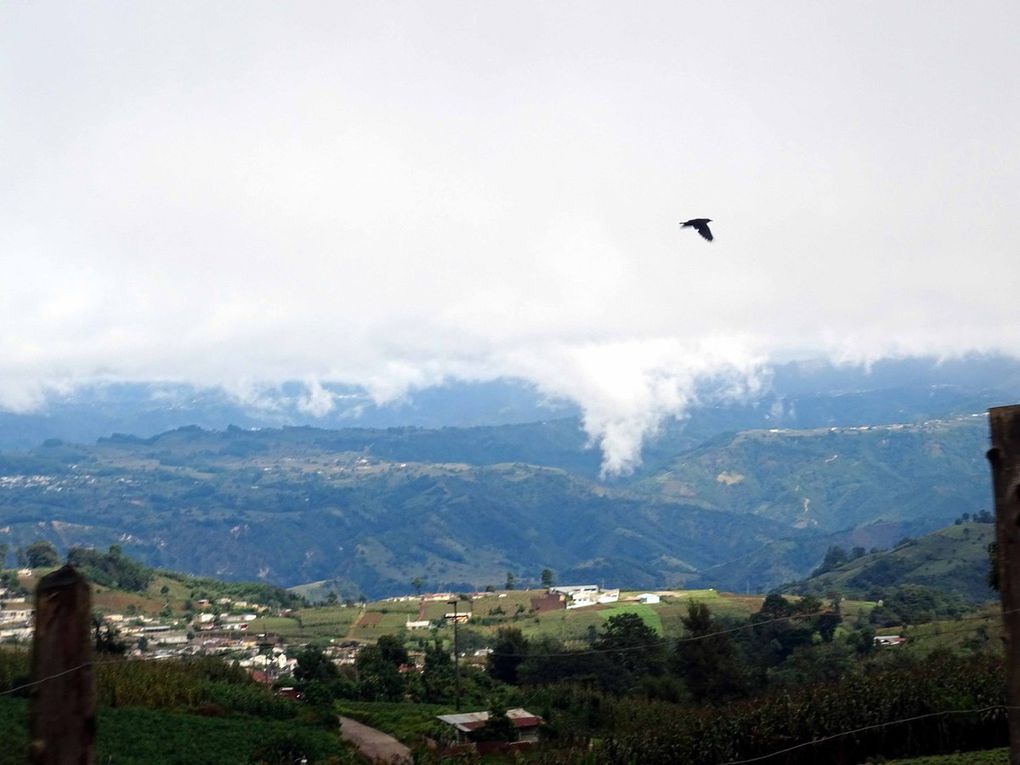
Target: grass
column 649, row 615
column 566, row 625
column 371, row 628
column 406, row 722
column 324, row 623
column 952, row 634
column 149, row 737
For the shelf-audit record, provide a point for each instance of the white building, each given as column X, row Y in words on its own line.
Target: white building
column 576, row 590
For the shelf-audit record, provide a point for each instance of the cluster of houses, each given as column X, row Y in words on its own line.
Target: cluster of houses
column 218, row 627
column 569, row 596
column 16, row 617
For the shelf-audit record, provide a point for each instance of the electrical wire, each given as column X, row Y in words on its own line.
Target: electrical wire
column 864, row 729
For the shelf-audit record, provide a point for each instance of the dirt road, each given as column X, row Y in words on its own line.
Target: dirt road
column 377, row 746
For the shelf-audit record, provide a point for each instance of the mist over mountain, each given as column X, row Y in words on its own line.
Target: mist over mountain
column 738, row 495
column 794, row 394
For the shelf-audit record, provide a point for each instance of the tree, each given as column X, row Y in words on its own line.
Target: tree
column 313, row 664
column 835, row 556
column 391, row 650
column 378, row 666
column 438, row 683
column 781, row 627
column 4, row 547
column 632, row 645
column 112, row 569
column 417, row 583
column 706, row 659
column 106, row 638
column 510, row 580
column 498, row 727
column 41, row 554
column 547, row 578
column 507, row 654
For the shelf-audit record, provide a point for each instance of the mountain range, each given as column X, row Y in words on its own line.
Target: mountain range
column 737, row 495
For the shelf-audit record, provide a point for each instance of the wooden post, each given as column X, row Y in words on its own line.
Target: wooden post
column 456, row 655
column 1004, row 456
column 62, row 709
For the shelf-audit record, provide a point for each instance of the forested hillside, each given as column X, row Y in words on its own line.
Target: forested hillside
column 374, row 509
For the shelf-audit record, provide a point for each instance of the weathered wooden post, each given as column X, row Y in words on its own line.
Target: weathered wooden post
column 62, row 709
column 1004, row 456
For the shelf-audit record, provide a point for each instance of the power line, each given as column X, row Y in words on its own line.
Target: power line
column 562, row 654
column 866, row 728
column 97, row 663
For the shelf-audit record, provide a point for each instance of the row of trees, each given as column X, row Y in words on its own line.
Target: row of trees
column 39, row 554
column 110, row 569
column 546, row 578
column 713, row 661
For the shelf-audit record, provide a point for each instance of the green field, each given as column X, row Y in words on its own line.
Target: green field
column 309, row 624
column 407, row 722
column 151, row 737
column 513, row 608
column 982, row 629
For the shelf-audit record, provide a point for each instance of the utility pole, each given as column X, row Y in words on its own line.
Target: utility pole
column 456, row 653
column 62, row 709
column 1004, row 456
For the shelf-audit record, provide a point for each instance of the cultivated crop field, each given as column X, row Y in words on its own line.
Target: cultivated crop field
column 491, row 611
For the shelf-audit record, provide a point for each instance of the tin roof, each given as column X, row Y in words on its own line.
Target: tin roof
column 469, row 721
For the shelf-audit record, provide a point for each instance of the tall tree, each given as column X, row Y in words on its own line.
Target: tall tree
column 781, row 627
column 547, row 578
column 507, row 654
column 633, row 646
column 510, row 580
column 706, row 659
column 378, row 666
column 41, row 554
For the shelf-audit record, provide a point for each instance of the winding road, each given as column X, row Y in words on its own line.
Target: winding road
column 377, row 746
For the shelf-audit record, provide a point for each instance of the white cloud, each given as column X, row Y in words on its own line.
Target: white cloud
column 243, row 194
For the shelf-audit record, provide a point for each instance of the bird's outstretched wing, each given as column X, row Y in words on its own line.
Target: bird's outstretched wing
column 704, row 230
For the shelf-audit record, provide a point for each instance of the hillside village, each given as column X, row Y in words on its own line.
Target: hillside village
column 420, row 655
column 228, row 627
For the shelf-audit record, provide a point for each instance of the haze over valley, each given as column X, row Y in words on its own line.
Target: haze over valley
column 740, row 495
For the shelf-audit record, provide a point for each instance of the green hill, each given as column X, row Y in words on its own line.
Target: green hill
column 952, row 560
column 832, row 479
column 459, row 508
column 290, row 507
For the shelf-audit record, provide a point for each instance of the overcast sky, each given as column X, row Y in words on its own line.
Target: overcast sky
column 391, row 194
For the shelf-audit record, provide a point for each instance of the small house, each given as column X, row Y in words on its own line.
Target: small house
column 889, row 640
column 467, row 724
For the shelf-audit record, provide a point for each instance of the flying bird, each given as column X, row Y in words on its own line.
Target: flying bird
column 700, row 225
